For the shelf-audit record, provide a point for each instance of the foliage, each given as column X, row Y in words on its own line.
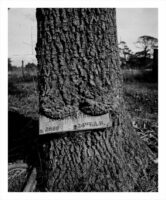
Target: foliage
column 124, row 52
column 10, row 66
column 137, row 62
column 31, row 67
column 124, row 49
column 146, row 44
column 141, row 59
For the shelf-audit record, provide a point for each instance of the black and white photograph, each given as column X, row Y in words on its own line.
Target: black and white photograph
column 83, row 99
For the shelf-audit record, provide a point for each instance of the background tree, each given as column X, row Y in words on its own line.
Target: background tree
column 124, row 49
column 146, row 44
column 124, row 52
column 31, row 67
column 78, row 61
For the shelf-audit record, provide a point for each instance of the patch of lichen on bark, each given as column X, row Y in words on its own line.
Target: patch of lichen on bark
column 78, row 61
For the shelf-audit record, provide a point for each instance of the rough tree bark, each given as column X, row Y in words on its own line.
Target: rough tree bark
column 79, row 69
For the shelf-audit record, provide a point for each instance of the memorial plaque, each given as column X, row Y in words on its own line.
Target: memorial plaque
column 82, row 122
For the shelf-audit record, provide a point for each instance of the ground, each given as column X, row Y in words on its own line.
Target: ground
column 140, row 94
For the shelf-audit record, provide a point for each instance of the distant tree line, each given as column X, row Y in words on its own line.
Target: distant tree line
column 23, row 73
column 142, row 59
column 30, row 66
column 11, row 67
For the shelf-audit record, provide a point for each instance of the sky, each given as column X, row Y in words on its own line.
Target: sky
column 22, row 30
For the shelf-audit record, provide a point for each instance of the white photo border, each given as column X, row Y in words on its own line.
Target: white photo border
column 4, row 5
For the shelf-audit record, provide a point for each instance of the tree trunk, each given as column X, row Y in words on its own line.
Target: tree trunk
column 79, row 69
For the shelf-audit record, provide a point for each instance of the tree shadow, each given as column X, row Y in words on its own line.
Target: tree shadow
column 22, row 138
column 13, row 89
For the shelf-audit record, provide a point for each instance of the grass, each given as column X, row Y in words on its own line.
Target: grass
column 23, row 94
column 141, row 97
column 142, row 104
column 140, row 94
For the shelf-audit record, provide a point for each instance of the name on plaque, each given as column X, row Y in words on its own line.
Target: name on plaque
column 82, row 122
